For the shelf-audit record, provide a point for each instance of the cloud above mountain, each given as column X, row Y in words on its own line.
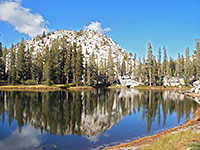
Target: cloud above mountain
column 97, row 27
column 23, row 20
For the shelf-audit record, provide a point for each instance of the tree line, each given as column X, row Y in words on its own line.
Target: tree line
column 64, row 63
column 152, row 71
column 61, row 63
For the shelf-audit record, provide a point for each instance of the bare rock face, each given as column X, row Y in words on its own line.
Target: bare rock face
column 128, row 82
column 196, row 83
column 173, row 81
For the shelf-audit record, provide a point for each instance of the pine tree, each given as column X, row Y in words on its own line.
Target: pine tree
column 182, row 65
column 164, row 64
column 194, row 67
column 154, row 71
column 110, row 67
column 20, row 63
column 97, row 69
column 28, row 63
column 101, row 70
column 5, row 54
column 74, row 55
column 55, row 63
column 123, row 71
column 178, row 66
column 47, row 66
column 134, row 67
column 86, row 71
column 105, row 71
column 171, row 67
column 159, row 67
column 187, row 67
column 91, row 70
column 64, row 52
column 12, row 67
column 68, row 64
column 79, row 66
column 2, row 65
column 144, row 74
column 37, row 67
column 149, row 61
column 139, row 71
column 197, row 59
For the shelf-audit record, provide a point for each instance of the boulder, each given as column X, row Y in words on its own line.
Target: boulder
column 128, row 82
column 197, row 89
column 171, row 81
column 196, row 83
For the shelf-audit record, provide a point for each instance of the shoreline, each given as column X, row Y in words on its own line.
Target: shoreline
column 42, row 87
column 150, row 139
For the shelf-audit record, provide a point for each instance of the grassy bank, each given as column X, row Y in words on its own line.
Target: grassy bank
column 43, row 87
column 79, row 87
column 180, row 140
column 31, row 87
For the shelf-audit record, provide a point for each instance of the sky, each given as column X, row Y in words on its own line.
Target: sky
column 174, row 24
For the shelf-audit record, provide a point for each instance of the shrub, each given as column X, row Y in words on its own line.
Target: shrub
column 31, row 82
column 48, row 82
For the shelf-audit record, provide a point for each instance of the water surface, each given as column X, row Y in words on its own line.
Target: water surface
column 89, row 119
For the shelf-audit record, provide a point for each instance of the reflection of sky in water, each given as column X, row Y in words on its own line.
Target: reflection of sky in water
column 129, row 120
column 28, row 138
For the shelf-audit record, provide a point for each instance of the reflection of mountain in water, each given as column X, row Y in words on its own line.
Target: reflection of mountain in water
column 89, row 112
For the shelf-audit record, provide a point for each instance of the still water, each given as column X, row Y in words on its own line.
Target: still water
column 89, row 119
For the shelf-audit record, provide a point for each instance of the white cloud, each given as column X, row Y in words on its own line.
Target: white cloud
column 92, row 139
column 22, row 19
column 97, row 27
column 28, row 138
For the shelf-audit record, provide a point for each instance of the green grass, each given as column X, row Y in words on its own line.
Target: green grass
column 178, row 141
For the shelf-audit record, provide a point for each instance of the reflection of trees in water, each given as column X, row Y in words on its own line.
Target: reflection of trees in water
column 90, row 112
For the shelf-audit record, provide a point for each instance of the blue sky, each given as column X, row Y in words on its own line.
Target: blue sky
column 171, row 23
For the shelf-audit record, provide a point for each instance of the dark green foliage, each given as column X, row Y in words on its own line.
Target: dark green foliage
column 139, row 71
column 85, row 72
column 197, row 59
column 155, row 72
column 74, row 55
column 144, row 70
column 12, row 67
column 2, row 64
column 134, row 67
column 92, row 74
column 79, row 66
column 164, row 64
column 149, row 62
column 5, row 54
column 187, row 67
column 110, row 67
column 68, row 66
column 123, row 70
column 159, row 67
column 47, row 65
column 28, row 63
column 55, row 63
column 20, row 63
column 171, row 67
column 63, row 55
column 178, row 66
column 63, row 62
column 37, row 68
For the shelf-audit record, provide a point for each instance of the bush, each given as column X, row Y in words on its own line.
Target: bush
column 48, row 82
column 31, row 82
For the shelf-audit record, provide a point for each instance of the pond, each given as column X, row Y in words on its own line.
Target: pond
column 88, row 119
